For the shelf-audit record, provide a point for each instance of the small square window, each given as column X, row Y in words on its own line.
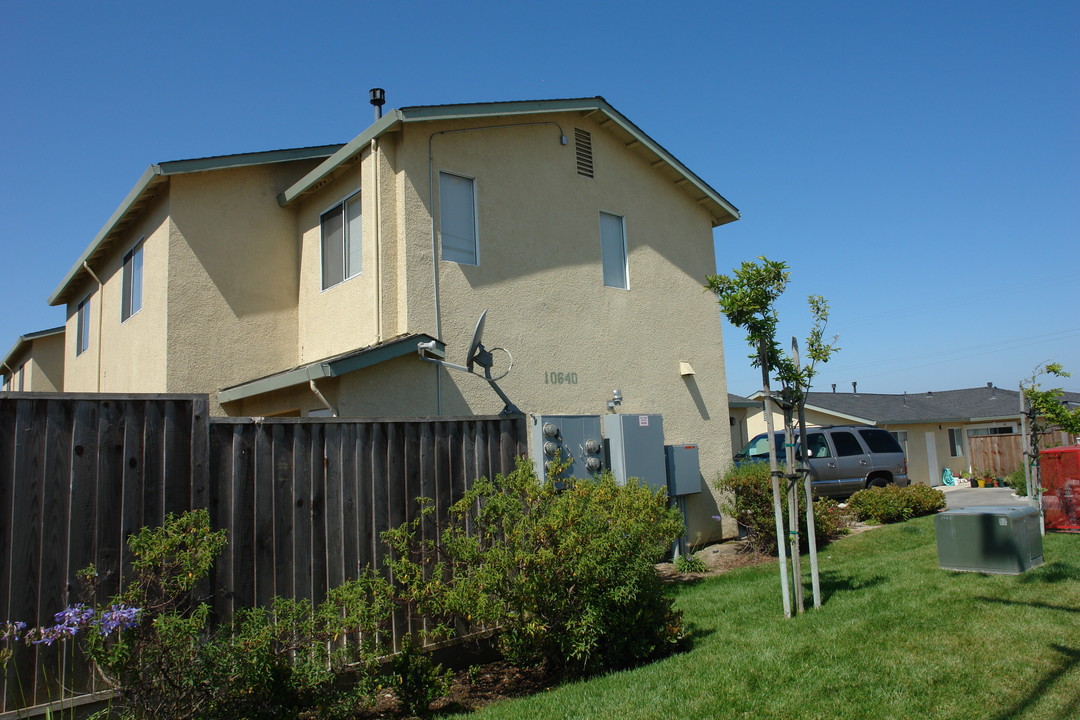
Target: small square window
column 131, row 302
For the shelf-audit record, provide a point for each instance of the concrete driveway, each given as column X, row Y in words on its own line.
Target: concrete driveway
column 960, row 497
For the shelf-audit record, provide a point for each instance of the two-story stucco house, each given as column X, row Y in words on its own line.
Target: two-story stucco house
column 35, row 362
column 301, row 282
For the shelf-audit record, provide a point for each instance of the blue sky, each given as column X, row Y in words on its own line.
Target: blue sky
column 917, row 163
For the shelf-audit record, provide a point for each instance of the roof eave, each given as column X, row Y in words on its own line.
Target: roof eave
column 26, row 339
column 158, row 173
column 723, row 211
column 330, row 367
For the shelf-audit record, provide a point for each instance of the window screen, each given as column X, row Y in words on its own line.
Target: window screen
column 457, row 218
column 131, row 302
column 613, row 250
column 82, row 327
column 342, row 246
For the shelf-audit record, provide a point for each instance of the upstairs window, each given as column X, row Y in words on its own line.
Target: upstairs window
column 341, row 242
column 613, row 250
column 457, row 219
column 82, row 327
column 131, row 302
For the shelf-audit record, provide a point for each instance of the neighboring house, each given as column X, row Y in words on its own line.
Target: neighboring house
column 936, row 429
column 35, row 363
column 301, row 282
column 738, row 410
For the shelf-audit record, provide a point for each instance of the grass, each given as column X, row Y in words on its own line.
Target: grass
column 896, row 637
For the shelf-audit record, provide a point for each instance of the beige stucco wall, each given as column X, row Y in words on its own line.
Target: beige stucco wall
column 540, row 279
column 127, row 356
column 233, row 277
column 41, row 362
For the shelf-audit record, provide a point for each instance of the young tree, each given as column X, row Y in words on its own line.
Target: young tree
column 748, row 300
column 1041, row 410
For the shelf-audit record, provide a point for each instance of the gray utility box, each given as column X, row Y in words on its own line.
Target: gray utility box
column 989, row 539
column 683, row 469
column 575, row 437
column 634, row 445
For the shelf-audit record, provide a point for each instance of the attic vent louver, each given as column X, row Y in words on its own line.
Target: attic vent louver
column 583, row 145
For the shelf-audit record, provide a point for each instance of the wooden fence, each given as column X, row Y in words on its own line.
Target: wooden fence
column 303, row 500
column 1001, row 454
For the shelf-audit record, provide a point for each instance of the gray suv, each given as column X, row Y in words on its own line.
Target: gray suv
column 842, row 458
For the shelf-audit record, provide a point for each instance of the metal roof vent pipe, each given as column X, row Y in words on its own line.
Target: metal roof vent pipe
column 855, row 388
column 834, row 387
column 993, row 390
column 905, row 398
column 378, row 99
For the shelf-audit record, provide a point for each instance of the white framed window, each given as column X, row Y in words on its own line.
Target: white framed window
column 613, row 250
column 82, row 327
column 956, row 442
column 457, row 219
column 901, row 437
column 342, row 242
column 131, row 300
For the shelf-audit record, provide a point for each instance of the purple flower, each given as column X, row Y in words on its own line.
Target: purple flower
column 118, row 617
column 12, row 630
column 74, row 617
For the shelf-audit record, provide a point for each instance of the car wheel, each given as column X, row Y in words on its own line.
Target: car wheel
column 877, row 482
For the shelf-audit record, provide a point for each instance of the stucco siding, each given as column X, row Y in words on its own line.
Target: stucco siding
column 233, row 278
column 124, row 355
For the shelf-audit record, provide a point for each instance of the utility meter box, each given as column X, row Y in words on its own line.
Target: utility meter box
column 989, row 539
column 575, row 438
column 634, row 445
column 683, row 469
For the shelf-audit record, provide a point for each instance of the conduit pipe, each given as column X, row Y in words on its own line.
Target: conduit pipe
column 434, row 237
column 378, row 235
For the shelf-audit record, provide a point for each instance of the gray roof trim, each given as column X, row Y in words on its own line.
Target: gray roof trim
column 330, row 367
column 158, row 173
column 27, row 339
column 429, row 113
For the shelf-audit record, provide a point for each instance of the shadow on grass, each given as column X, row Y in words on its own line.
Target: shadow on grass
column 1054, row 572
column 1041, row 606
column 833, row 582
column 1069, row 662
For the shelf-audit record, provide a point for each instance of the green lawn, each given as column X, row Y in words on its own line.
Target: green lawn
column 896, row 638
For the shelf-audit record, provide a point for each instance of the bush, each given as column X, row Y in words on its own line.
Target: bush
column 891, row 504
column 269, row 662
column 750, row 502
column 1016, row 481
column 567, row 569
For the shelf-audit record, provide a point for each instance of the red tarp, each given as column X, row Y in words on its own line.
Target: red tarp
column 1060, row 468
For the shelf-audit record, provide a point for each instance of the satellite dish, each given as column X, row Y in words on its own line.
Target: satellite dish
column 475, row 348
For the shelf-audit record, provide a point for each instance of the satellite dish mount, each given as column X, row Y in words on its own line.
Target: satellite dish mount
column 477, row 356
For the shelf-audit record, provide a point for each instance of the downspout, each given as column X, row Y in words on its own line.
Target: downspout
column 101, row 294
column 434, row 243
column 322, row 398
column 378, row 234
column 11, row 374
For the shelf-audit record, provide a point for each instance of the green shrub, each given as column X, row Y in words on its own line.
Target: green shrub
column 690, row 564
column 567, row 569
column 891, row 504
column 282, row 661
column 750, row 502
column 1017, row 482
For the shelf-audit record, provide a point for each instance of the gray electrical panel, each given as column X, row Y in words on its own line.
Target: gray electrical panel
column 683, row 469
column 989, row 539
column 635, row 448
column 574, row 437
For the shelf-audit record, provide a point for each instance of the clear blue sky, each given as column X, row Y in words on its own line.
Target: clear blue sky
column 917, row 163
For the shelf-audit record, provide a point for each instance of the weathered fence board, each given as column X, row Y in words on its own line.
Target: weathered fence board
column 304, row 501
column 1002, row 454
